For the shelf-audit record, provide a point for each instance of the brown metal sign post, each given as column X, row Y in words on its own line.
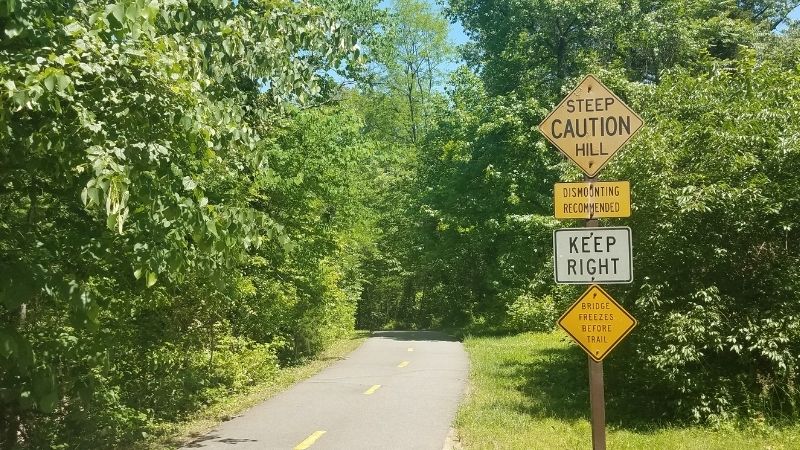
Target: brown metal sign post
column 597, row 401
column 589, row 126
column 597, row 404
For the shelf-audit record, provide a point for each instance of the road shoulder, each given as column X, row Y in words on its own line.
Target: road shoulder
column 177, row 434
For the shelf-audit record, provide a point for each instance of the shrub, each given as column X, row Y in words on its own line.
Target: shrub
column 528, row 313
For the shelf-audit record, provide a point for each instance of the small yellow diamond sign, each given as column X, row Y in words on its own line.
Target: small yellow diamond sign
column 597, row 322
column 590, row 125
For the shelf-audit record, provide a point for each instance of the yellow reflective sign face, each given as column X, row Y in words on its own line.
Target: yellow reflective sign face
column 592, row 200
column 597, row 322
column 590, row 125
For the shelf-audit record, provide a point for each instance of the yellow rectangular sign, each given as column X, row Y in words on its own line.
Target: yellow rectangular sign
column 586, row 200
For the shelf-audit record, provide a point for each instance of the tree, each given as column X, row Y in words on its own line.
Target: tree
column 705, row 77
column 714, row 178
column 536, row 46
column 397, row 104
column 130, row 138
column 408, row 70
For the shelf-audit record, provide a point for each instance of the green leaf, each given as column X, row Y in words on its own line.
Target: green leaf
column 174, row 262
column 20, row 98
column 171, row 213
column 73, row 29
column 188, row 183
column 13, row 29
column 44, row 389
column 283, row 240
column 16, row 286
column 48, row 402
column 94, row 195
column 8, row 343
column 43, row 381
column 212, row 227
column 93, row 313
column 50, row 83
column 118, row 11
column 63, row 82
column 151, row 278
column 137, row 273
column 26, row 399
column 132, row 12
column 24, row 353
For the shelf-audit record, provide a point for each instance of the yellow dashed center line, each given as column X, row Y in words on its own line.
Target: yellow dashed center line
column 372, row 390
column 403, row 364
column 309, row 441
column 411, row 349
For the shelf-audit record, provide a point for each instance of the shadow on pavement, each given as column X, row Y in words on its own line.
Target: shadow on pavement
column 414, row 336
column 199, row 442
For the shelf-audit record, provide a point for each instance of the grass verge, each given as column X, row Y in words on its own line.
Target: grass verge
column 531, row 391
column 176, row 434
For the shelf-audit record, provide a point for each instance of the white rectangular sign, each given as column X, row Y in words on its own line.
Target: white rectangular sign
column 593, row 255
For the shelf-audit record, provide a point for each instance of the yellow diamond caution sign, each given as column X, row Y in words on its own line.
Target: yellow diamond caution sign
column 592, row 200
column 597, row 322
column 590, row 125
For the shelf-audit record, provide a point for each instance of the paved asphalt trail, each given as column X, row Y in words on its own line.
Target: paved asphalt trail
column 421, row 374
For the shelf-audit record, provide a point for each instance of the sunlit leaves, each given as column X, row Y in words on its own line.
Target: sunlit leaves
column 715, row 185
column 130, row 135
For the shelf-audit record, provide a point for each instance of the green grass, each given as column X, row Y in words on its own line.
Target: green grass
column 176, row 434
column 530, row 391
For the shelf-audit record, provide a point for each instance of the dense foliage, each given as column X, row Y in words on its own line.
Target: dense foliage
column 163, row 228
column 715, row 191
column 194, row 193
column 715, row 204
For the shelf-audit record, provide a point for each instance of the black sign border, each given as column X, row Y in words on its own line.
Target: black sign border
column 630, row 255
column 624, row 143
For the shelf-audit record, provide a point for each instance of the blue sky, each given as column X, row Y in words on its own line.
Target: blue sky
column 795, row 14
column 457, row 35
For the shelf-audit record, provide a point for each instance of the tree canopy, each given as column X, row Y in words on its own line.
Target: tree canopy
column 196, row 193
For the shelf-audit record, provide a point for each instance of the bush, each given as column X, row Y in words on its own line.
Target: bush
column 529, row 313
column 716, row 230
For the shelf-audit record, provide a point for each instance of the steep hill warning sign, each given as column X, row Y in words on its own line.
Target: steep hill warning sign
column 597, row 322
column 590, row 125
